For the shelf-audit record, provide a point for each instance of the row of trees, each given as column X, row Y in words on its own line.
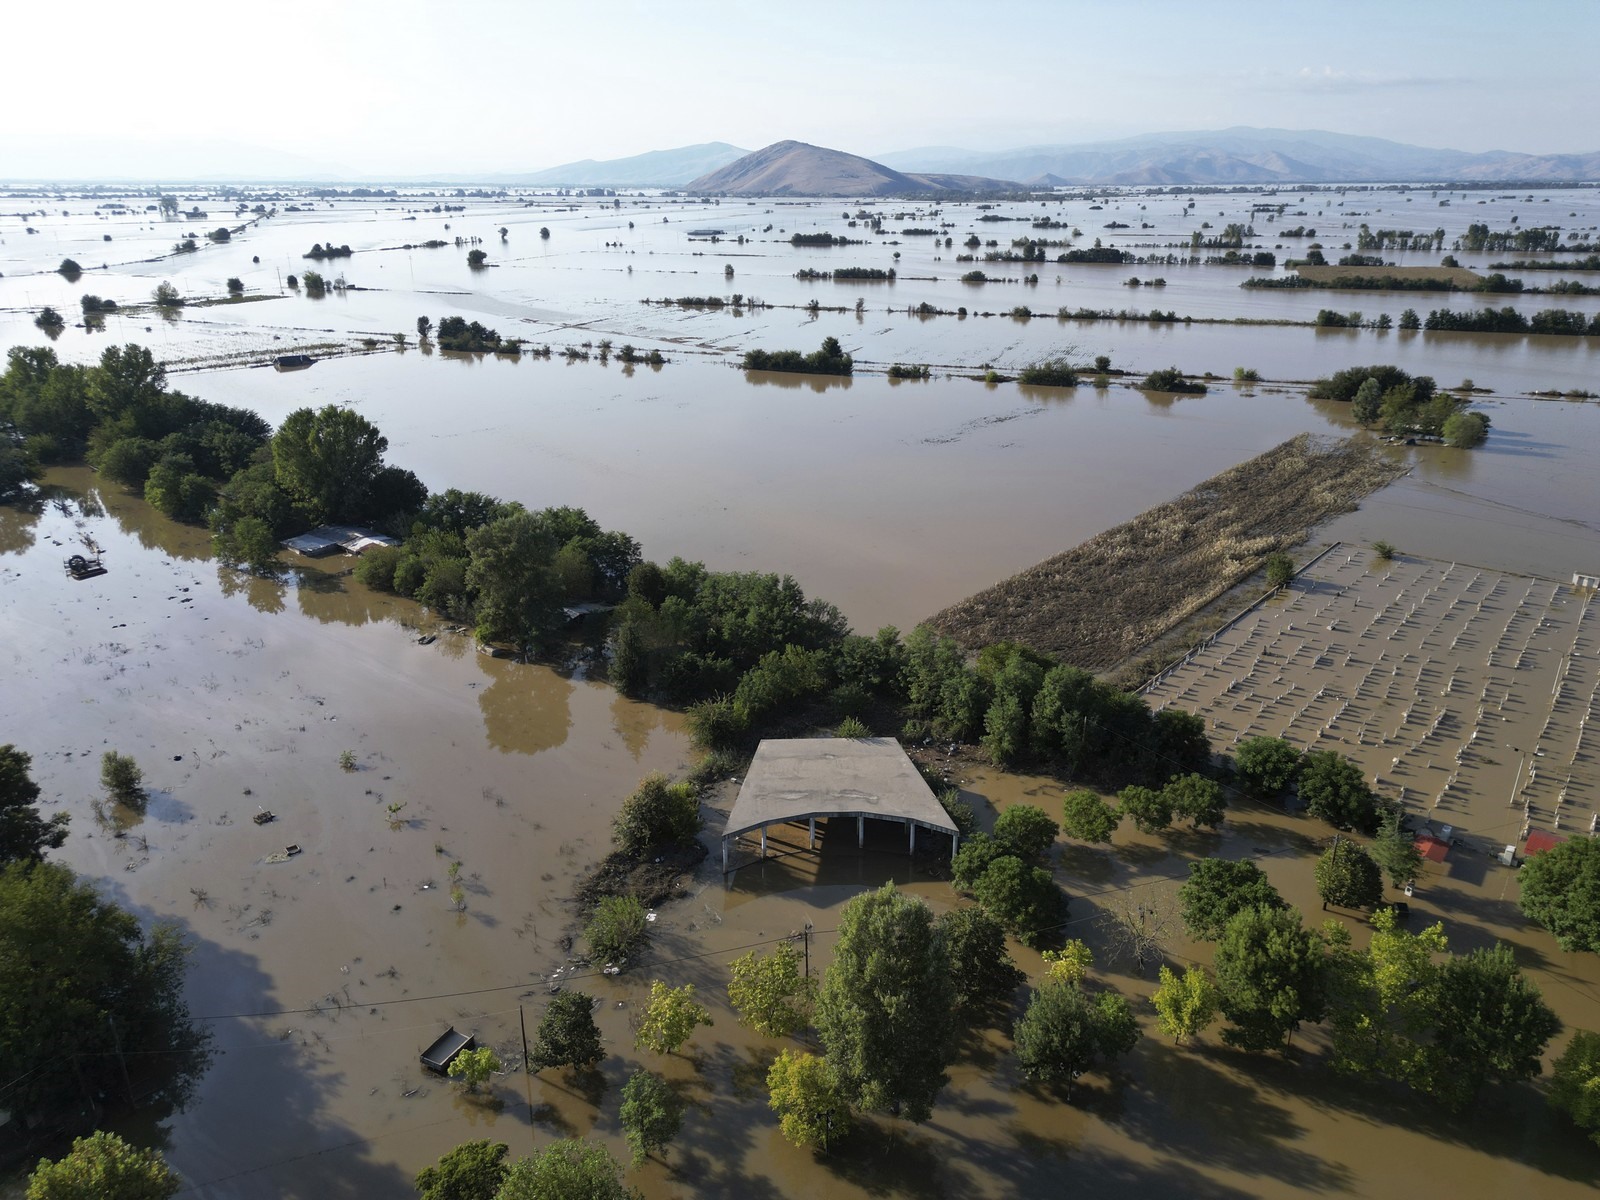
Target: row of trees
column 1403, row 1009
column 830, row 359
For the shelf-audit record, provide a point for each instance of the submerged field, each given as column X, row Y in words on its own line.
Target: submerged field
column 893, row 499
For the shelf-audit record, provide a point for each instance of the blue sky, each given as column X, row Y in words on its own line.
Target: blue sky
column 398, row 86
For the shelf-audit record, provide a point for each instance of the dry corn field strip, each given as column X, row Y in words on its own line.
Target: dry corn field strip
column 1096, row 604
column 1471, row 695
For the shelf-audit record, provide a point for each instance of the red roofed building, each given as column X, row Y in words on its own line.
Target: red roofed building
column 1431, row 848
column 1540, row 841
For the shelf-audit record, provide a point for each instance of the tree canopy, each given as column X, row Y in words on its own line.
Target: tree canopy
column 1216, row 889
column 80, row 974
column 328, row 459
column 1270, row 976
column 1332, row 788
column 1347, row 877
column 1561, row 890
column 472, row 1171
column 1065, row 1032
column 567, row 1035
column 886, row 1010
column 769, row 992
column 570, row 1169
column 24, row 834
column 804, row 1091
column 104, row 1167
column 652, row 1114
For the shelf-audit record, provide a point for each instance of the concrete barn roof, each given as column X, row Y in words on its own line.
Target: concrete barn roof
column 793, row 779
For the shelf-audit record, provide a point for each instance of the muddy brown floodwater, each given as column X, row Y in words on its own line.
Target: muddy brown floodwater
column 324, row 975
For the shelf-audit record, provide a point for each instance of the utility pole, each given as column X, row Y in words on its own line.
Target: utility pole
column 806, row 934
column 527, row 1072
column 116, row 1040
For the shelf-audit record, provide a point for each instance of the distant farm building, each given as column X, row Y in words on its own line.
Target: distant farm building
column 1580, row 580
column 335, row 539
column 804, row 779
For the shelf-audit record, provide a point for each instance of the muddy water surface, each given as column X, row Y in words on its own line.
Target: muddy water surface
column 242, row 693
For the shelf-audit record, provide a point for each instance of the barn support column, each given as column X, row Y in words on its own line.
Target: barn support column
column 861, row 832
column 813, row 843
column 724, row 855
column 763, row 841
column 911, row 837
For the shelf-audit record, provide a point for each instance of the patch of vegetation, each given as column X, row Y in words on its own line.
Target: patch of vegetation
column 1051, row 372
column 1170, row 379
column 829, row 360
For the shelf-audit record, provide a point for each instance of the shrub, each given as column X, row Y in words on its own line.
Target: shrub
column 1026, row 830
column 1170, row 379
column 617, row 928
column 122, row 779
column 1087, row 817
column 1465, row 429
column 851, row 727
column 1280, row 570
column 658, row 813
column 166, row 296
column 1384, row 550
column 1052, row 372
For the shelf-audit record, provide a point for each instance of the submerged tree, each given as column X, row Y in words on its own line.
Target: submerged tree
column 805, row 1092
column 769, row 992
column 104, row 1167
column 24, row 834
column 886, row 1010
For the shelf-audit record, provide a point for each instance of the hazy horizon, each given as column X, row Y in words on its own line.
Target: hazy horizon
column 404, row 89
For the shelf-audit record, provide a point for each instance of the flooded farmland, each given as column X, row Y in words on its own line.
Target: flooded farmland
column 890, row 498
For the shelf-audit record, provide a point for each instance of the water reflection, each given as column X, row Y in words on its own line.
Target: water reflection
column 337, row 598
column 634, row 723
column 264, row 592
column 526, row 709
column 793, row 382
column 17, row 527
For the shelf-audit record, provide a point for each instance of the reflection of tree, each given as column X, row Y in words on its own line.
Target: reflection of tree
column 17, row 528
column 264, row 593
column 634, row 723
column 326, row 598
column 527, row 709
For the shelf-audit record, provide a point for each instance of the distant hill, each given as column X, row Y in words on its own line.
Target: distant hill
column 657, row 168
column 800, row 169
column 1244, row 155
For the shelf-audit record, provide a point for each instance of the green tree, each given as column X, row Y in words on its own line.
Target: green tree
column 166, row 296
column 1026, row 830
column 328, row 459
column 1147, row 809
column 1575, row 1083
column 1064, row 1033
column 1395, row 852
column 671, row 1018
column 249, row 542
column 1196, row 799
column 977, row 854
column 104, row 1167
column 1332, row 788
column 1490, row 1023
column 630, row 666
column 617, row 928
column 980, row 968
column 474, row 1067
column 472, row 1171
column 1216, row 889
column 1382, row 1001
column 567, row 1035
column 652, row 1114
column 886, row 1010
column 1087, row 817
column 1270, row 976
column 1186, row 1004
column 1561, row 891
column 805, row 1092
column 519, row 593
column 24, row 834
column 570, row 1169
column 123, row 780
column 1280, row 570
column 659, row 813
column 1369, row 396
column 80, row 973
column 769, row 992
column 1266, row 765
column 476, row 258
column 1465, row 429
column 1347, row 877
column 1024, row 898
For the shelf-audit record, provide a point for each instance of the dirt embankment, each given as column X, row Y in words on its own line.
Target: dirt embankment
column 1096, row 604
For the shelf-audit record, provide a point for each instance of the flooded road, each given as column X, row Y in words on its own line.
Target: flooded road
column 239, row 694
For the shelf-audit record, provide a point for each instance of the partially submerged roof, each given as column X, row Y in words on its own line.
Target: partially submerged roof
column 793, row 779
column 1433, row 849
column 1540, row 841
column 352, row 539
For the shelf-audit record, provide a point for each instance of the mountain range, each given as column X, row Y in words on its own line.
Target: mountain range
column 1241, row 155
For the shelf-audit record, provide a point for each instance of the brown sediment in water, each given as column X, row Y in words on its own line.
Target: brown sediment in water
column 1097, row 603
